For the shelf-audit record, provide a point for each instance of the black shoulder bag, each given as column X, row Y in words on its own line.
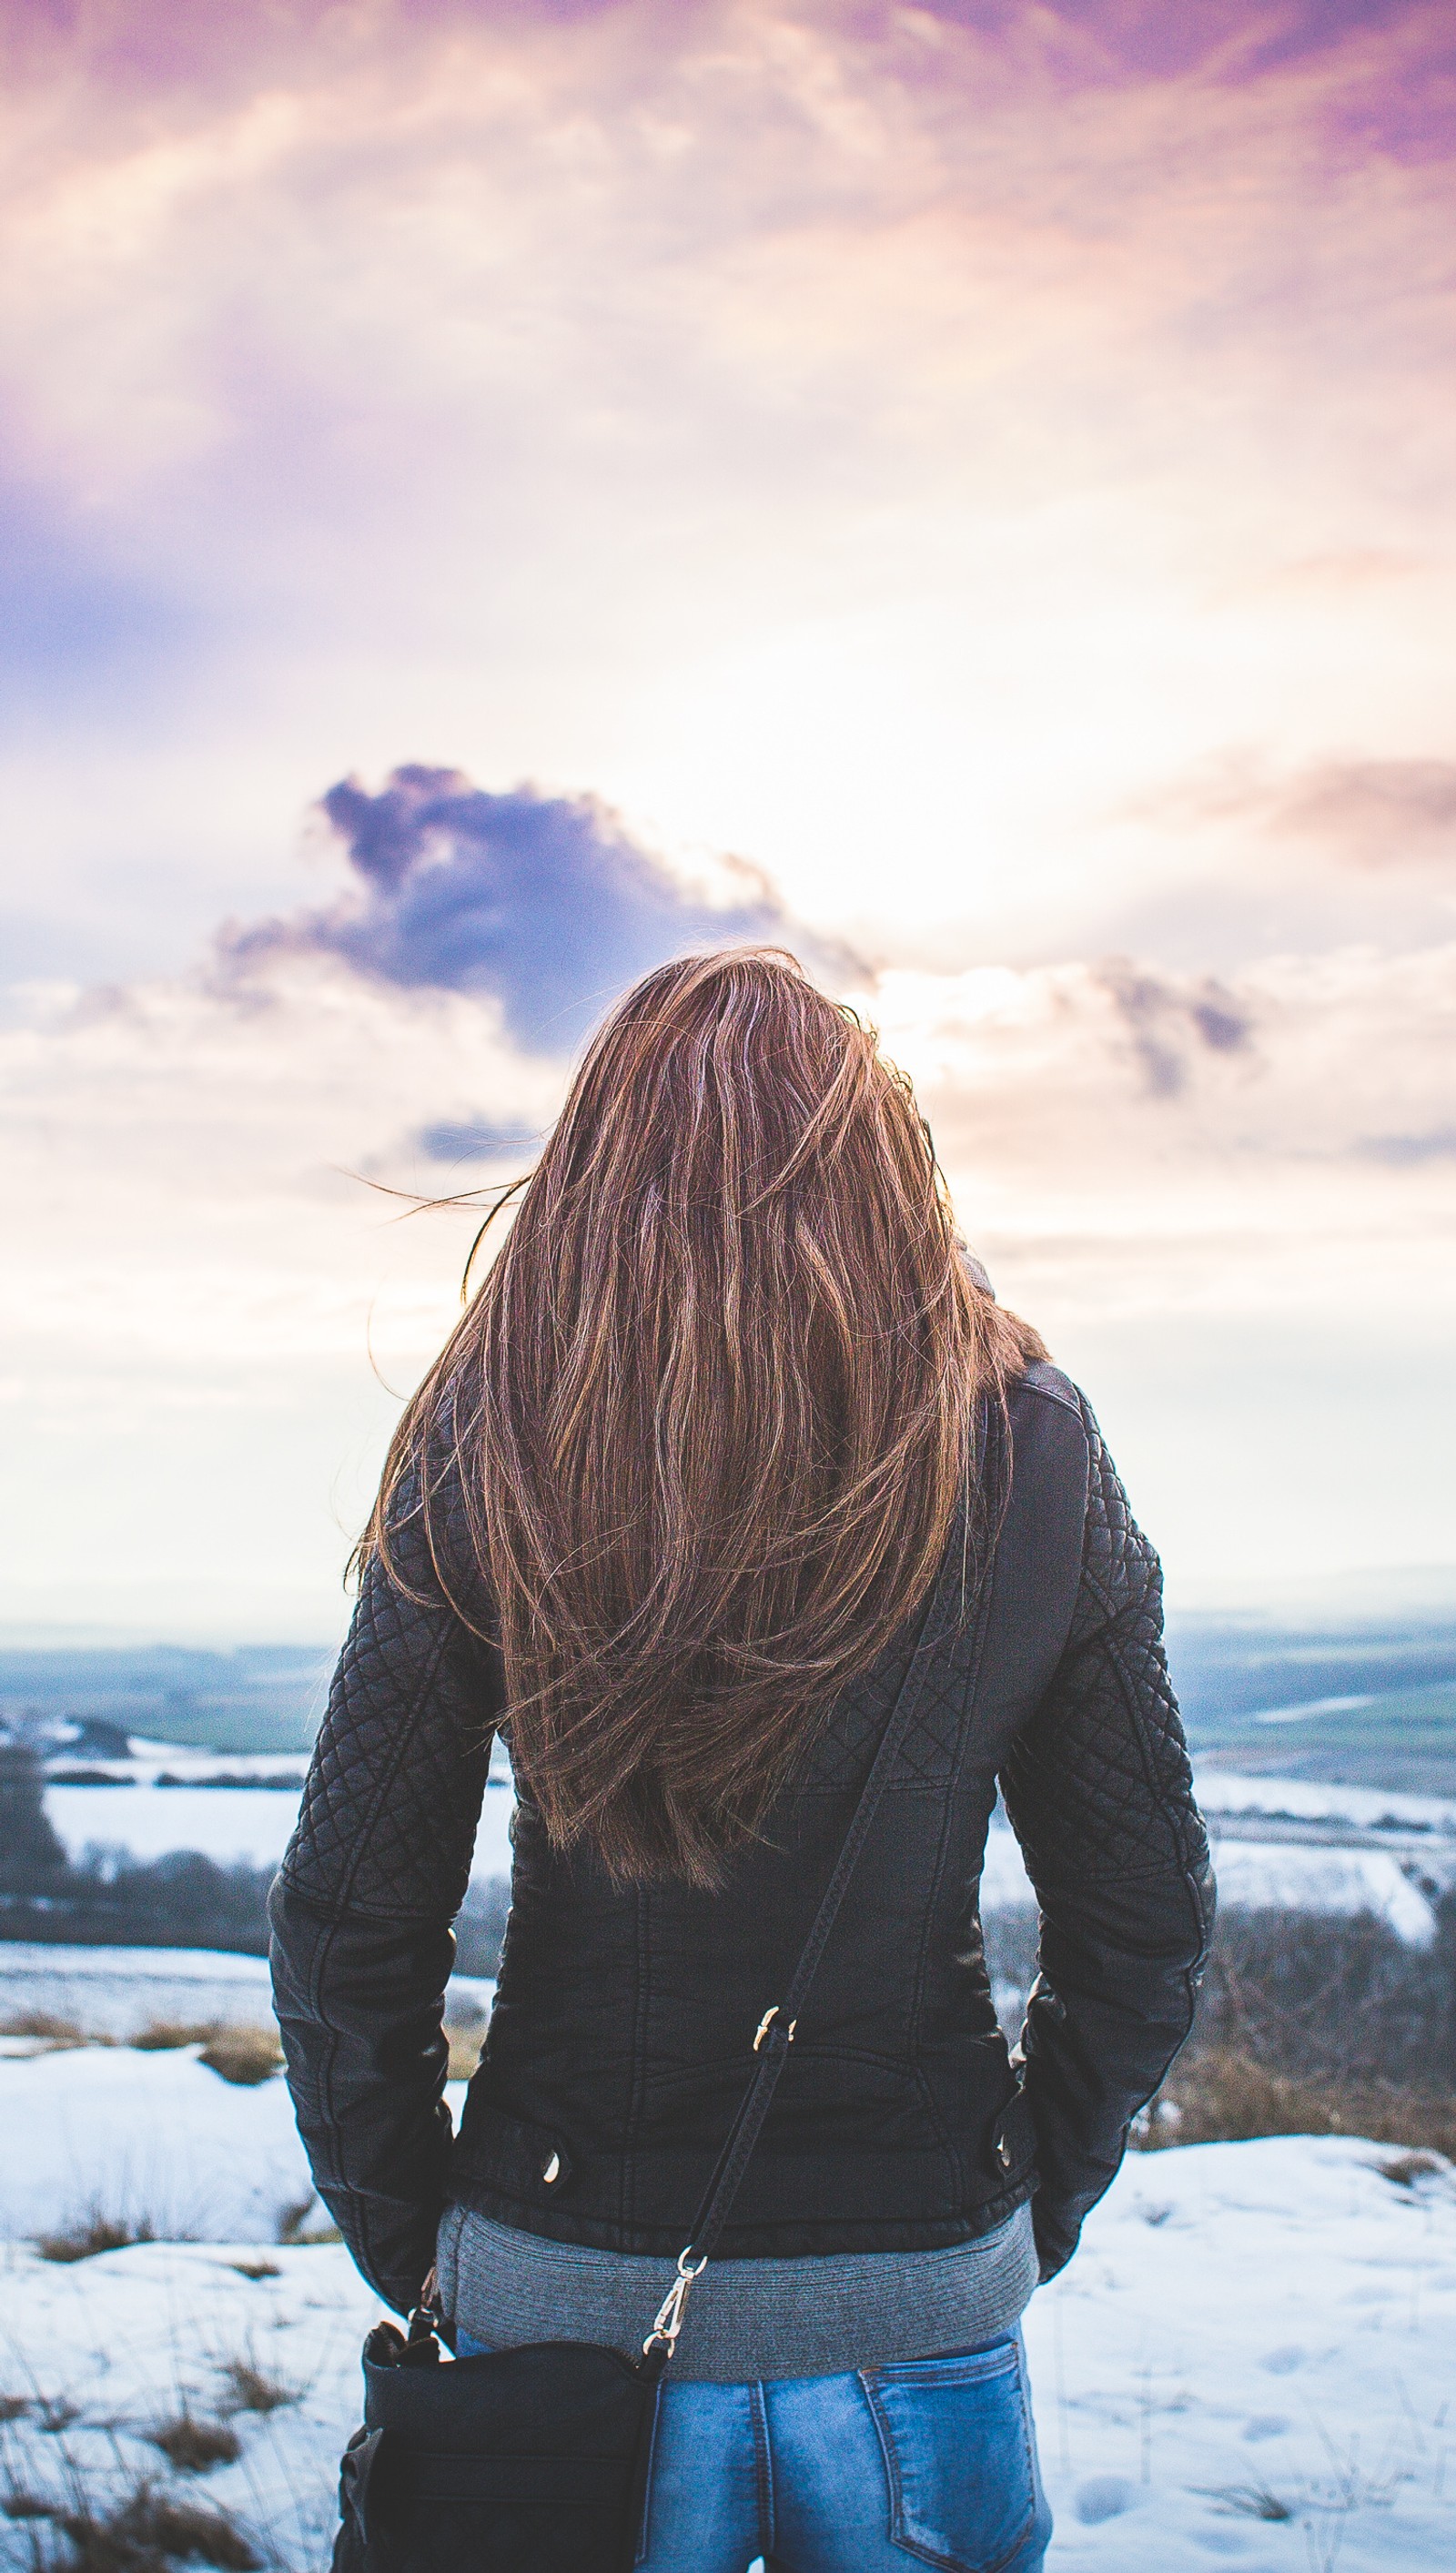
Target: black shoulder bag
column 534, row 2460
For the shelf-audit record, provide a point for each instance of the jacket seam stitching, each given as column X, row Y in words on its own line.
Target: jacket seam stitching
column 415, row 1706
column 1176, row 1823
column 637, row 2097
column 960, row 2167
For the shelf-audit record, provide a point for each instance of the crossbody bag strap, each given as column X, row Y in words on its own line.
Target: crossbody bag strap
column 775, row 2035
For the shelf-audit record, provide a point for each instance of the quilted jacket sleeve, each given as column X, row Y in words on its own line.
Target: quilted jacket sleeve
column 1099, row 1793
column 361, row 1909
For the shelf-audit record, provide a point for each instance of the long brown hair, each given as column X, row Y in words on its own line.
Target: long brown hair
column 710, row 1412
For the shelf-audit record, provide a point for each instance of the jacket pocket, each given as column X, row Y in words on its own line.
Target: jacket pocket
column 526, row 2160
column 955, row 2436
column 1011, row 2142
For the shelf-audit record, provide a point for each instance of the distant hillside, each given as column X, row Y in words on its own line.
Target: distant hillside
column 260, row 1697
column 1368, row 1704
column 1256, row 1695
column 1404, row 1741
column 1225, row 1667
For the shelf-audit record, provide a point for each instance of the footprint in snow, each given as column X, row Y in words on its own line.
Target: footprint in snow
column 1105, row 2497
column 1266, row 2425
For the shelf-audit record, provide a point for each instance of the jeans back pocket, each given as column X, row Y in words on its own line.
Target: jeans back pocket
column 960, row 2459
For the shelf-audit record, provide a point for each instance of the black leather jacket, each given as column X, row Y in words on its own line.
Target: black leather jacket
column 623, row 2025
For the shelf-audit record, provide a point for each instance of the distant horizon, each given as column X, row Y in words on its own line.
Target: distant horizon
column 1358, row 1595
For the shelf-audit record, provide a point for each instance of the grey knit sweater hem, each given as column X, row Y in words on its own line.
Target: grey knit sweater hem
column 746, row 2319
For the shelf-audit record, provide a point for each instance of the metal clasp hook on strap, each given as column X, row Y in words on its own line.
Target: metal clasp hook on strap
column 664, row 2333
column 766, row 2023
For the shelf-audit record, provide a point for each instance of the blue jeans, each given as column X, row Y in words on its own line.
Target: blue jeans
column 932, row 2463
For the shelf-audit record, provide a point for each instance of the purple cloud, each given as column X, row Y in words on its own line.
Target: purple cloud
column 1411, row 1152
column 1391, row 63
column 1375, row 810
column 1161, row 1013
column 473, row 1139
column 541, row 900
column 1370, row 812
column 223, row 46
column 79, row 619
column 1151, row 40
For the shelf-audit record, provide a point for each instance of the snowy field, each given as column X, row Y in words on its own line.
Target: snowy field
column 1251, row 2361
column 1298, row 1878
column 1223, row 1794
column 146, row 2140
column 148, row 1762
column 141, row 2139
column 1398, row 1878
column 1322, row 1848
column 118, row 1992
column 1252, row 2358
column 229, row 1824
column 1347, row 1849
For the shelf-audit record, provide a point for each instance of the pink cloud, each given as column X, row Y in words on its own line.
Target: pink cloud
column 1370, row 812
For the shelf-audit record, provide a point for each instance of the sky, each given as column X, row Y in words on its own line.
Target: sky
column 494, row 492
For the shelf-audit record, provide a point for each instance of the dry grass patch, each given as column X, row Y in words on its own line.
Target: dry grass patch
column 1247, row 2501
column 48, row 2030
column 1404, row 2170
column 166, row 2036
column 243, row 2055
column 93, row 2233
column 1224, row 2096
column 252, row 2391
column 465, row 2044
column 150, row 2533
column 296, row 2230
column 192, row 2447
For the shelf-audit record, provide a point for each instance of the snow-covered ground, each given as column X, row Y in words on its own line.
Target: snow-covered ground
column 1222, row 1792
column 1252, row 2329
column 228, row 1824
column 1322, row 1848
column 150, row 2141
column 148, row 1761
column 1312, row 1875
column 1348, row 1849
column 1289, row 1874
column 118, row 1992
column 1252, row 2358
column 112, row 2349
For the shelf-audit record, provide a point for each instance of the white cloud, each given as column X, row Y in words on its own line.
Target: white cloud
column 208, row 1324
column 1301, row 1163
